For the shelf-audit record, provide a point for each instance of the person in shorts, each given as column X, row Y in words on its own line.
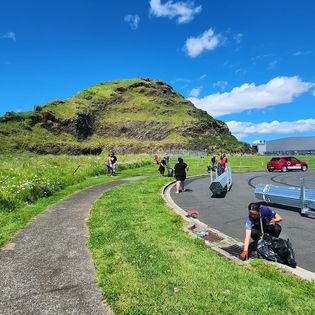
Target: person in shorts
column 180, row 170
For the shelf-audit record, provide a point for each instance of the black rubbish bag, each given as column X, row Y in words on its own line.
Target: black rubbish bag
column 276, row 249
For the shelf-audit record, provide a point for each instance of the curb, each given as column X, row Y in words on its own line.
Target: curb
column 196, row 225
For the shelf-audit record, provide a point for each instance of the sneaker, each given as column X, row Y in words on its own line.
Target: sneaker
column 184, row 189
column 176, row 192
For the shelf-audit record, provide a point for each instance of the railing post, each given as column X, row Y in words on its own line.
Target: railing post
column 230, row 176
column 211, row 176
column 304, row 209
column 227, row 178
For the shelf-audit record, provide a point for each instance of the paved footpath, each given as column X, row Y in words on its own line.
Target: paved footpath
column 47, row 268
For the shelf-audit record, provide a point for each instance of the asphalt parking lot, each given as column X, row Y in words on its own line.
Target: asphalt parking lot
column 228, row 214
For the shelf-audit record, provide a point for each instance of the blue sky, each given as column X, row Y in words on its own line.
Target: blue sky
column 249, row 63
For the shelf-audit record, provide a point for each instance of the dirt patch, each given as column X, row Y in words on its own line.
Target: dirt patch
column 212, row 237
column 9, row 247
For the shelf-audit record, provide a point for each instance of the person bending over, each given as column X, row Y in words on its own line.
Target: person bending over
column 269, row 219
column 162, row 166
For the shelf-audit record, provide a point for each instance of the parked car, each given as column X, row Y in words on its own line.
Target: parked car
column 286, row 163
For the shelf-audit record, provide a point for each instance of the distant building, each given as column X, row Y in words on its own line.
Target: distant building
column 286, row 146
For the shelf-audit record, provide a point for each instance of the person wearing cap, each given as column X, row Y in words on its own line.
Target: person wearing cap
column 256, row 215
column 180, row 170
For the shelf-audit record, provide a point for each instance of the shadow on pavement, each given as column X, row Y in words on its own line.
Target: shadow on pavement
column 219, row 196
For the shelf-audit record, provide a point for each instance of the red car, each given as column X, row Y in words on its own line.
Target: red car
column 286, row 163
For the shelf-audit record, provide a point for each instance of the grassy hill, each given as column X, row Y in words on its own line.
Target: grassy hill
column 135, row 115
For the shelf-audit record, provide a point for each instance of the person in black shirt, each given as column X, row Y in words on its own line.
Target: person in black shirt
column 180, row 174
column 162, row 166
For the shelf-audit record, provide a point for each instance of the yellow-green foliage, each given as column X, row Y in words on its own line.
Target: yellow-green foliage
column 26, row 177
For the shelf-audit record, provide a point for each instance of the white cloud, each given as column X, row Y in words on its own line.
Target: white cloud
column 195, row 92
column 238, row 38
column 240, row 71
column 181, row 80
column 272, row 64
column 280, row 90
column 301, row 53
column 242, row 129
column 132, row 20
column 9, row 35
column 297, row 53
column 206, row 41
column 183, row 11
column 220, row 85
column 202, row 77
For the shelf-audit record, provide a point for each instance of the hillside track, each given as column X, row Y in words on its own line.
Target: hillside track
column 228, row 213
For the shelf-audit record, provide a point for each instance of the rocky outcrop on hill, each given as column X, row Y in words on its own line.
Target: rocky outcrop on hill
column 141, row 130
column 203, row 128
column 81, row 126
column 128, row 115
column 51, row 148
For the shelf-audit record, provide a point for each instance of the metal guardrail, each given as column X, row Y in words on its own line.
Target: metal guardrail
column 298, row 197
column 220, row 183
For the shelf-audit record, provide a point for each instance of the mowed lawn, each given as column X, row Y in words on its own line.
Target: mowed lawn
column 145, row 263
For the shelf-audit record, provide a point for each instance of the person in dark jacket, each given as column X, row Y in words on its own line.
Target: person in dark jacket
column 257, row 214
column 180, row 170
column 162, row 166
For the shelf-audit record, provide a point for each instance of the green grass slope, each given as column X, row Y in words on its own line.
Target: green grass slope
column 133, row 115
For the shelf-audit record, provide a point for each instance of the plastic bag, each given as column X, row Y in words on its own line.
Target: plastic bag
column 276, row 249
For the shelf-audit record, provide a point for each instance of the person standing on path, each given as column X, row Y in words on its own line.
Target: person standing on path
column 222, row 164
column 269, row 219
column 113, row 160
column 180, row 170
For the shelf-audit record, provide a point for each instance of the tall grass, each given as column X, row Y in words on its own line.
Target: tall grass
column 24, row 178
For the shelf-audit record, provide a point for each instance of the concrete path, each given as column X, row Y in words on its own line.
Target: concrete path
column 228, row 214
column 47, row 269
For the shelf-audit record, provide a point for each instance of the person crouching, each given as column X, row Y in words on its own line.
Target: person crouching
column 256, row 215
